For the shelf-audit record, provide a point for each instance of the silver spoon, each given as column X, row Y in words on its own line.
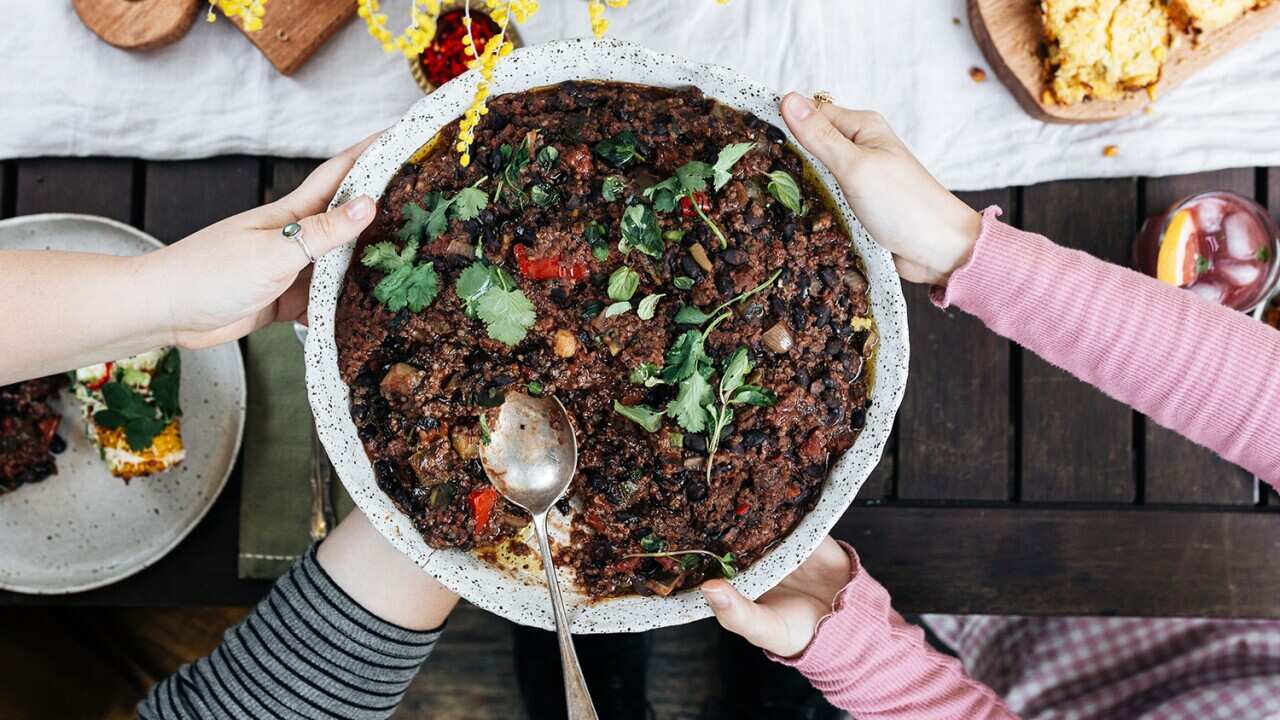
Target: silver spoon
column 530, row 458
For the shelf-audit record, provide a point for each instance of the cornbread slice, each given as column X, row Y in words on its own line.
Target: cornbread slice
column 1103, row 49
column 138, row 379
column 1205, row 15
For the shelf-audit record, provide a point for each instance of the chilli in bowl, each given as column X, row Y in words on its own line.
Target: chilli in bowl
column 662, row 264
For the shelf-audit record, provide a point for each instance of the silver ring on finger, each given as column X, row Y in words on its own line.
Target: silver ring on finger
column 293, row 231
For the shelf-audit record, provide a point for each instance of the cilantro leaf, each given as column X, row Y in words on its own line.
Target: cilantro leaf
column 754, row 395
column 408, row 286
column 619, row 150
column 507, row 314
column 623, row 283
column 735, row 372
column 642, row 415
column 682, row 282
column 617, row 308
column 612, row 187
column 640, row 231
column 728, row 157
column 384, row 256
column 784, row 187
column 128, row 409
column 664, row 195
column 415, row 223
column 684, row 357
column 693, row 176
column 472, row 283
column 468, row 203
column 648, row 306
column 690, row 406
column 690, row 315
column 438, row 220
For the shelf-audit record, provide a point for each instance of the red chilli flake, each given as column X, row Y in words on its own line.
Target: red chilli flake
column 445, row 58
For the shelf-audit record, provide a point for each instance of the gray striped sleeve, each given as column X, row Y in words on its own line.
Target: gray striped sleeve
column 307, row 651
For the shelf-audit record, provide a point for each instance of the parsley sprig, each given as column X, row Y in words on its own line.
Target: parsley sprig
column 693, row 177
column 142, row 418
column 407, row 283
column 489, row 293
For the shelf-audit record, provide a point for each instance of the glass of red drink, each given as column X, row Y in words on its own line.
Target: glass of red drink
column 1219, row 245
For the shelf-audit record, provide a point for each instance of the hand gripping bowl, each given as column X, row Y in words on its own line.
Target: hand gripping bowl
column 521, row 597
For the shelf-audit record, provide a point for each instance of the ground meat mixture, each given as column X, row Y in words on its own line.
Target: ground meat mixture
column 421, row 381
column 28, row 432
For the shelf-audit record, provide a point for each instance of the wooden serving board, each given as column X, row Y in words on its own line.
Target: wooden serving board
column 138, row 24
column 293, row 30
column 1010, row 35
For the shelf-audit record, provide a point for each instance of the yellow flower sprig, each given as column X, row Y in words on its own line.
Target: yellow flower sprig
column 250, row 12
column 422, row 30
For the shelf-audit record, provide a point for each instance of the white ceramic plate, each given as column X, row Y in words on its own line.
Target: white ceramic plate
column 522, row 596
column 83, row 528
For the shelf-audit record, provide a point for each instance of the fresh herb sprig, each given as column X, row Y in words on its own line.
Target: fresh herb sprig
column 427, row 221
column 640, row 232
column 691, row 315
column 620, row 150
column 692, row 178
column 141, row 418
column 515, row 158
column 734, row 390
column 489, row 293
column 689, row 559
column 407, row 283
column 787, row 191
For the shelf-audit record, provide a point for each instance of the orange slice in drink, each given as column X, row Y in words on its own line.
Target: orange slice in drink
column 1179, row 259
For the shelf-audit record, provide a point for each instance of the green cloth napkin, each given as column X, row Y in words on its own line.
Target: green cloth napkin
column 275, row 500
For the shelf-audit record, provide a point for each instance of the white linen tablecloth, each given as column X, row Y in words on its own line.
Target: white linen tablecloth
column 64, row 92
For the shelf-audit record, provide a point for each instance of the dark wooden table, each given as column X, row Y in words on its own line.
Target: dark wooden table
column 1008, row 486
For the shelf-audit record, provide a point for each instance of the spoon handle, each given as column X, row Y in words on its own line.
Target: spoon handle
column 576, row 696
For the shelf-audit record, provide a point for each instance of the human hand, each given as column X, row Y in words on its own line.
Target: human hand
column 241, row 274
column 784, row 619
column 930, row 232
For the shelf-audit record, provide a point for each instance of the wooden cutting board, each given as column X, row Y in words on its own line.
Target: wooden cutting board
column 1009, row 33
column 293, row 30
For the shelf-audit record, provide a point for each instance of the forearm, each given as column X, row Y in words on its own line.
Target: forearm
column 308, row 650
column 866, row 659
column 381, row 578
column 62, row 311
column 1198, row 368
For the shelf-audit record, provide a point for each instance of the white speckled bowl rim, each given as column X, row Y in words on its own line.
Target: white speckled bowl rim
column 85, row 504
column 464, row 573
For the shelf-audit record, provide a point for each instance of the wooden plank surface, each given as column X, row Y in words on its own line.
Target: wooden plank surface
column 1038, row 561
column 1176, row 469
column 8, row 185
column 1077, row 444
column 94, row 186
column 954, row 427
column 183, row 197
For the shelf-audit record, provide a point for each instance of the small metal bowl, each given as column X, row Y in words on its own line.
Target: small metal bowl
column 477, row 7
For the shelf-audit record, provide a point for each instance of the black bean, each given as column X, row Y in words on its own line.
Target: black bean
column 367, row 432
column 858, row 418
column 487, row 217
column 775, row 136
column 801, row 377
column 564, row 506
column 522, row 233
column 754, row 311
column 690, row 268
column 843, row 330
column 592, row 309
column 832, row 399
column 784, row 277
column 821, row 316
column 695, row 443
column 798, row 318
column 727, row 431
column 834, row 347
column 695, row 489
column 777, row 307
column 559, row 296
column 789, row 231
column 754, row 438
column 503, row 380
column 734, row 257
column 384, row 470
column 724, row 283
column 495, row 121
column 426, row 422
column 640, row 532
column 816, row 470
column 358, row 411
column 835, row 415
column 57, row 445
column 495, row 156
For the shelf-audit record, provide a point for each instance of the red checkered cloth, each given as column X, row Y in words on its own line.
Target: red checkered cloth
column 1130, row 668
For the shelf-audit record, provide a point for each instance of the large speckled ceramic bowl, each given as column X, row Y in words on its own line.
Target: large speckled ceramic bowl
column 84, row 528
column 521, row 595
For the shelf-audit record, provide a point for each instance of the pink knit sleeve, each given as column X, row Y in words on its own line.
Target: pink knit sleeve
column 1200, row 369
column 866, row 659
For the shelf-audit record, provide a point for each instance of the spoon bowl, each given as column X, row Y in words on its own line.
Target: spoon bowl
column 530, row 457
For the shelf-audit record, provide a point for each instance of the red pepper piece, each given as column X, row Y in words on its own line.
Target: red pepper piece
column 48, row 427
column 686, row 205
column 482, row 502
column 552, row 267
column 97, row 384
column 742, row 509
